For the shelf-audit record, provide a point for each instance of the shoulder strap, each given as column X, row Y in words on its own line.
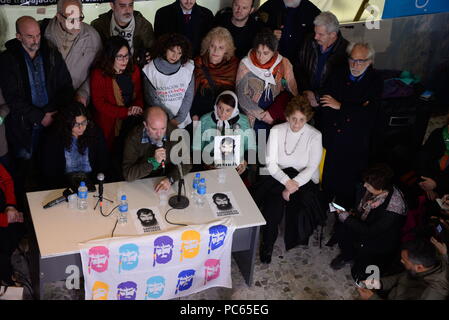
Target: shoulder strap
column 209, row 79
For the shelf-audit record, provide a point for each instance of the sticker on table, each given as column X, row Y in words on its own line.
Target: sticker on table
column 223, row 204
column 145, row 220
column 227, row 151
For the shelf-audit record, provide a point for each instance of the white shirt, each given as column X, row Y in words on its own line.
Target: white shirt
column 305, row 158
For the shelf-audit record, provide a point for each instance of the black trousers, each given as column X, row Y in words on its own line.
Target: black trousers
column 349, row 244
column 302, row 213
column 9, row 239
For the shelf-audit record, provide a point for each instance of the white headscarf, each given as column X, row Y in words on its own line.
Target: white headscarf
column 221, row 123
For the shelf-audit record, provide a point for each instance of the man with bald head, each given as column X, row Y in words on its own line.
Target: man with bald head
column 35, row 84
column 78, row 43
column 147, row 150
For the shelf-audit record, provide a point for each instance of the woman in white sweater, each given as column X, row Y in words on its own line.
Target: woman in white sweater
column 293, row 156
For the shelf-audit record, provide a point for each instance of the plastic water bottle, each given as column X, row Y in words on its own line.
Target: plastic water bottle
column 195, row 182
column 201, row 197
column 123, row 210
column 82, row 196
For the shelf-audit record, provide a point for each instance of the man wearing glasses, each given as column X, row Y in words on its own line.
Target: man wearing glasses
column 347, row 117
column 78, row 43
column 122, row 20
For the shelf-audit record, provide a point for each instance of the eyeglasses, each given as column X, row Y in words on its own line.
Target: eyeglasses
column 122, row 57
column 81, row 124
column 72, row 20
column 358, row 62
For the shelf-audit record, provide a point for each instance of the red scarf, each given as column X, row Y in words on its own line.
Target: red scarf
column 267, row 65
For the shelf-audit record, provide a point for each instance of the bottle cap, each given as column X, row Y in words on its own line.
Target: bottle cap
column 202, row 180
column 123, row 197
column 197, row 175
column 82, row 184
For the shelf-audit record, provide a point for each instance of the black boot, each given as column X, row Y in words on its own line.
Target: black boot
column 265, row 253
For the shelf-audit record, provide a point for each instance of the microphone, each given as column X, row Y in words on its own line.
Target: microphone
column 160, row 144
column 67, row 192
column 179, row 201
column 100, row 178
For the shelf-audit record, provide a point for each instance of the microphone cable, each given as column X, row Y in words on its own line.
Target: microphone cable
column 176, row 224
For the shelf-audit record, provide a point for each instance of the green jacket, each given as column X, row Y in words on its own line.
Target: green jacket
column 430, row 285
column 143, row 33
column 136, row 153
column 205, row 136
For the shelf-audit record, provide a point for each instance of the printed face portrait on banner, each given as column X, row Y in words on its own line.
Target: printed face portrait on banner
column 129, row 256
column 217, row 236
column 127, row 291
column 190, row 246
column 100, row 291
column 155, row 287
column 222, row 201
column 146, row 217
column 98, row 259
column 185, row 280
column 163, row 250
column 211, row 270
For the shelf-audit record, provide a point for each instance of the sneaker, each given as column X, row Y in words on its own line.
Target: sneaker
column 339, row 262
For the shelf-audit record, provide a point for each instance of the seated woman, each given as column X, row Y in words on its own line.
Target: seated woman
column 116, row 92
column 370, row 234
column 169, row 81
column 262, row 76
column 225, row 120
column 293, row 156
column 74, row 148
column 215, row 70
column 11, row 227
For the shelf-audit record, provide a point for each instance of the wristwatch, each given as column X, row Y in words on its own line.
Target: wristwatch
column 171, row 180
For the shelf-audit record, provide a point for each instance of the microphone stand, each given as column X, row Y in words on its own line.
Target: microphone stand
column 179, row 201
column 100, row 201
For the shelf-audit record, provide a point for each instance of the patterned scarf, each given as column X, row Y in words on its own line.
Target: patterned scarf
column 126, row 33
column 444, row 161
column 370, row 201
column 223, row 74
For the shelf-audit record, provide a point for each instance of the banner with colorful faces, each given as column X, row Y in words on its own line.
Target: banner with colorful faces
column 162, row 265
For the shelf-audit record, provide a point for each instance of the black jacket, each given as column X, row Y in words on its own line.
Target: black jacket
column 273, row 14
column 428, row 161
column 349, row 134
column 53, row 163
column 380, row 232
column 244, row 36
column 308, row 61
column 170, row 19
column 16, row 89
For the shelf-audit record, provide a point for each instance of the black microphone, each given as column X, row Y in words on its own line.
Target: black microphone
column 100, row 178
column 65, row 194
column 160, row 144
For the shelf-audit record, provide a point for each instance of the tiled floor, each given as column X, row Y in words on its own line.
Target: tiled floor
column 302, row 273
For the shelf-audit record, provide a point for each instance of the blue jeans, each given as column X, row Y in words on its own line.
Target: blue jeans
column 24, row 153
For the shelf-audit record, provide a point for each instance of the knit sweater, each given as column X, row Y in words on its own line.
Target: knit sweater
column 300, row 150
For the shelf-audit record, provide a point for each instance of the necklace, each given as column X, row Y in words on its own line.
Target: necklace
column 296, row 145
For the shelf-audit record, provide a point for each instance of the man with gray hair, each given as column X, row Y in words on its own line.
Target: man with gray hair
column 320, row 54
column 78, row 43
column 122, row 20
column 348, row 117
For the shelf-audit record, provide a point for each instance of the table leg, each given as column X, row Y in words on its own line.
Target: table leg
column 246, row 259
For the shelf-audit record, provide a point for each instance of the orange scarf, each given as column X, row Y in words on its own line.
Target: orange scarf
column 267, row 65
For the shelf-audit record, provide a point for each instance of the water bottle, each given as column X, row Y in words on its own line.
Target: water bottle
column 123, row 210
column 195, row 182
column 201, row 197
column 82, row 196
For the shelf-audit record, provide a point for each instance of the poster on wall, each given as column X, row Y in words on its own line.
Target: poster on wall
column 404, row 8
column 162, row 265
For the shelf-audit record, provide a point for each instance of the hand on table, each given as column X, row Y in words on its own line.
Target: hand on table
column 164, row 185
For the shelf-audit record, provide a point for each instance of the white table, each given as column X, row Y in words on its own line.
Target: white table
column 59, row 230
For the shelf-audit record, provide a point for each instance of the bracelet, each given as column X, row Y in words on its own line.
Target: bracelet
column 154, row 163
column 1, row 120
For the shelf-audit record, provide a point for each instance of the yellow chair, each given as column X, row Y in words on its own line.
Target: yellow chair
column 323, row 157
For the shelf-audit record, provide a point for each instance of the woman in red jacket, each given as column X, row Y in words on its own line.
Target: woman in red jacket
column 11, row 226
column 116, row 91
